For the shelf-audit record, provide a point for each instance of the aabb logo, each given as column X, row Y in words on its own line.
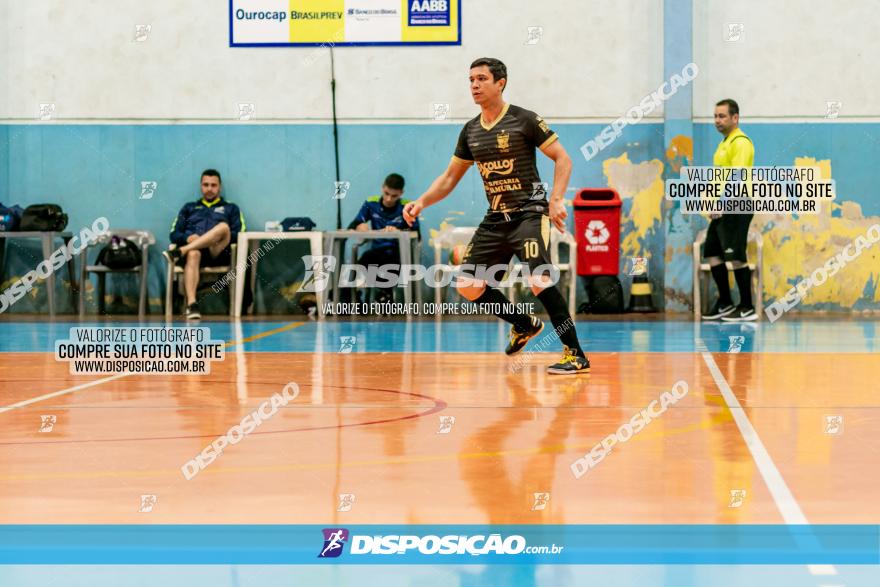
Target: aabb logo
column 428, row 13
column 429, row 5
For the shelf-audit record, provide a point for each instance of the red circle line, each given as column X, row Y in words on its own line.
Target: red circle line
column 439, row 405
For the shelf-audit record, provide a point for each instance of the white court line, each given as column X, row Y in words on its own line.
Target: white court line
column 782, row 496
column 40, row 398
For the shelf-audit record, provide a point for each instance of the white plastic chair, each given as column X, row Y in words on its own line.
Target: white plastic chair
column 173, row 272
column 702, row 271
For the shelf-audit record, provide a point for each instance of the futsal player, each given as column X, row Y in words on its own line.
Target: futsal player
column 502, row 142
column 727, row 235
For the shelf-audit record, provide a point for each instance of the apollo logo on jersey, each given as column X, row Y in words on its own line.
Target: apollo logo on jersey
column 428, row 13
column 501, row 167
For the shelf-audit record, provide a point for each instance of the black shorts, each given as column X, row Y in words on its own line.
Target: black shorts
column 221, row 260
column 526, row 235
column 727, row 237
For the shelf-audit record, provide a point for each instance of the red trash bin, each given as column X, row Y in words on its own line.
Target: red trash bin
column 597, row 230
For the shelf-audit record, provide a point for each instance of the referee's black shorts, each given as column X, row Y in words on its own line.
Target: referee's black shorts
column 727, row 237
column 525, row 234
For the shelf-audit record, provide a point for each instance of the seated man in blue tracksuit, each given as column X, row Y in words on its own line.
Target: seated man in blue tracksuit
column 203, row 232
column 383, row 212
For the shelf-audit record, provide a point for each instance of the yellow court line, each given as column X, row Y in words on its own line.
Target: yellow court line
column 284, row 328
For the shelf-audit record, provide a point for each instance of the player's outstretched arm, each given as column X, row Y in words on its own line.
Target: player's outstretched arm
column 561, row 175
column 440, row 188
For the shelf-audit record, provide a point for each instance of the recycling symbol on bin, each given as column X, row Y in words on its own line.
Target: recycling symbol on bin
column 597, row 233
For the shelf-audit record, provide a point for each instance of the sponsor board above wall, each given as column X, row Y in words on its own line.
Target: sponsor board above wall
column 302, row 23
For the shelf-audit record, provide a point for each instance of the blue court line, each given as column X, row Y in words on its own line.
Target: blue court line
column 803, row 336
column 574, row 544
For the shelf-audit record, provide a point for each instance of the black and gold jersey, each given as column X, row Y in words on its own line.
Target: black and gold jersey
column 504, row 153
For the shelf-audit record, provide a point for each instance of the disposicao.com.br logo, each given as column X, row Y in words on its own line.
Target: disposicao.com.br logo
column 334, row 540
column 322, row 270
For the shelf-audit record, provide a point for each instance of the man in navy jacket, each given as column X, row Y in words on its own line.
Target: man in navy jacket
column 203, row 231
column 384, row 212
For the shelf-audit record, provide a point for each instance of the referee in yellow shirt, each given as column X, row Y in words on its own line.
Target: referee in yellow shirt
column 727, row 235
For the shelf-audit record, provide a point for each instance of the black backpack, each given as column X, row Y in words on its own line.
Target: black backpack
column 120, row 253
column 43, row 218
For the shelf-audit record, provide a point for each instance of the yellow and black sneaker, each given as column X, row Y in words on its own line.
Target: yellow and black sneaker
column 519, row 339
column 571, row 364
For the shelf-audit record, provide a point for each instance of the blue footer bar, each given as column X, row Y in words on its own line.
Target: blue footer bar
column 439, row 544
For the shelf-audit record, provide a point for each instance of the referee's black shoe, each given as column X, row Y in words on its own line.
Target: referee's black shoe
column 519, row 339
column 719, row 310
column 741, row 314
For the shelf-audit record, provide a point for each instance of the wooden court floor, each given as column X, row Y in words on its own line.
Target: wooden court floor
column 375, row 425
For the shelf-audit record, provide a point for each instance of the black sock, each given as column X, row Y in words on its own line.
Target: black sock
column 562, row 321
column 743, row 277
column 493, row 296
column 719, row 274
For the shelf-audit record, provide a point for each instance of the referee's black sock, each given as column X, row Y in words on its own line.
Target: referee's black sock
column 493, row 296
column 722, row 281
column 743, row 277
column 562, row 321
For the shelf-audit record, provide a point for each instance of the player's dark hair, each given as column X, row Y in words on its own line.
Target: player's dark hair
column 496, row 68
column 732, row 106
column 211, row 173
column 394, row 181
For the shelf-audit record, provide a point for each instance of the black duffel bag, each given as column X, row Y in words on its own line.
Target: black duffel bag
column 43, row 218
column 120, row 253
